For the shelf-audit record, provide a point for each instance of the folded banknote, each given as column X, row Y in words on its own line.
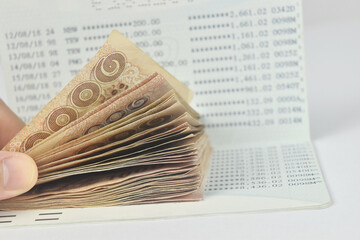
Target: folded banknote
column 121, row 132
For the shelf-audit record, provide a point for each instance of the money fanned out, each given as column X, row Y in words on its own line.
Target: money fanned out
column 121, row 132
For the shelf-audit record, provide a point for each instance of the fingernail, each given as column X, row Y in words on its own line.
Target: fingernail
column 18, row 173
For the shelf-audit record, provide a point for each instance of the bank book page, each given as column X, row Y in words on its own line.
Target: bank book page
column 244, row 60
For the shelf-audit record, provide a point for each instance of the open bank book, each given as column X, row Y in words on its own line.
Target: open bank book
column 243, row 60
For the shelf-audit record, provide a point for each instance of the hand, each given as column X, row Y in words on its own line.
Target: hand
column 18, row 171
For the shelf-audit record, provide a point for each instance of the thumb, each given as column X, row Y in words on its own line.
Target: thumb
column 18, row 174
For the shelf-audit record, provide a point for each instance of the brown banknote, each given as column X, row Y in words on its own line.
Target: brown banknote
column 117, row 67
column 121, row 132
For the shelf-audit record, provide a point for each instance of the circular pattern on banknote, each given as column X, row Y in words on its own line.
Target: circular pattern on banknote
column 137, row 104
column 33, row 139
column 122, row 135
column 85, row 94
column 110, row 67
column 123, row 86
column 114, row 92
column 61, row 117
column 93, row 128
column 155, row 122
column 116, row 116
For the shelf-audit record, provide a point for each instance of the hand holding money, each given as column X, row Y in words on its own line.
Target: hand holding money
column 18, row 172
column 120, row 133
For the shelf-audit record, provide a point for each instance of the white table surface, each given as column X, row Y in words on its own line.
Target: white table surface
column 332, row 42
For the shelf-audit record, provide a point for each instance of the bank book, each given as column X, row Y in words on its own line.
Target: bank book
column 243, row 140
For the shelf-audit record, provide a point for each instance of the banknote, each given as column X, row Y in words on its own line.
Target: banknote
column 117, row 67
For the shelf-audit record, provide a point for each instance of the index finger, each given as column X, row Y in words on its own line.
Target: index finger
column 10, row 124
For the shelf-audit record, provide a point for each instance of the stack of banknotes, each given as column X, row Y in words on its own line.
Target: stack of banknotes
column 121, row 132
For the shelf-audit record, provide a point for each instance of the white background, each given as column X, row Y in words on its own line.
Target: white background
column 332, row 43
